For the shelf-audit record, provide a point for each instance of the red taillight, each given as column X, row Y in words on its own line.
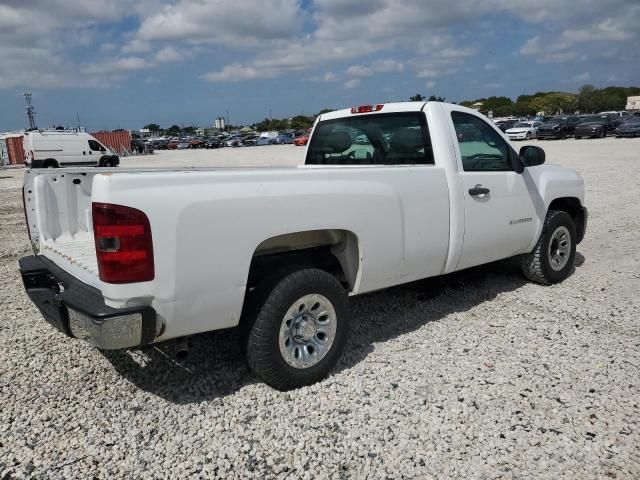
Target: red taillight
column 123, row 244
column 367, row 108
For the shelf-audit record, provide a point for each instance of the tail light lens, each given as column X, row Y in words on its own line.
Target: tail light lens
column 367, row 108
column 124, row 246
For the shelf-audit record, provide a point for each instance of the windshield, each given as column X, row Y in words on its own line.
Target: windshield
column 556, row 120
column 595, row 118
column 387, row 139
column 522, row 125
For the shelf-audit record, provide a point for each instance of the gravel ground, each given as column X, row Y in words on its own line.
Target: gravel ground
column 474, row 375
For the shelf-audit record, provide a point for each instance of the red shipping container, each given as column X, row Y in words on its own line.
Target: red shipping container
column 118, row 142
column 16, row 152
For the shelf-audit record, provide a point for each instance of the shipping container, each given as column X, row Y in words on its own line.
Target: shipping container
column 118, row 142
column 14, row 149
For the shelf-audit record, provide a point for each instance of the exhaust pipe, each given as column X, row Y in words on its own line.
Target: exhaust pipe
column 182, row 348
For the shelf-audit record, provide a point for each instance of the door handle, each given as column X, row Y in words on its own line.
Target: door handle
column 478, row 190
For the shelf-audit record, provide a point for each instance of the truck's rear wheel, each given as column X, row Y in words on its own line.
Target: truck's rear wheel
column 300, row 330
column 551, row 261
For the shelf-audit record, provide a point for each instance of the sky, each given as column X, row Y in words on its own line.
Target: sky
column 123, row 64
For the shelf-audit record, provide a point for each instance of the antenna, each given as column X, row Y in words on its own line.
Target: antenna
column 31, row 113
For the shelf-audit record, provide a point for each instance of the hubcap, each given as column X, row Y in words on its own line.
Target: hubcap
column 307, row 331
column 559, row 248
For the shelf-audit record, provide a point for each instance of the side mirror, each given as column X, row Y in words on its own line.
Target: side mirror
column 531, row 155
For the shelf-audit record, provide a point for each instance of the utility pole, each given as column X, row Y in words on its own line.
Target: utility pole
column 31, row 113
column 78, row 116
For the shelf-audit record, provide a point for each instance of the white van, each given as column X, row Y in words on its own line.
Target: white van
column 65, row 148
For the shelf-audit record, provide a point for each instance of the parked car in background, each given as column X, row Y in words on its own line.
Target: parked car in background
column 630, row 128
column 301, row 140
column 65, row 148
column 139, row 146
column 558, row 127
column 172, row 144
column 505, row 125
column 595, row 126
column 232, row 142
column 523, row 131
column 160, row 144
column 362, row 140
column 183, row 145
column 284, row 138
column 213, row 143
column 196, row 143
column 260, row 141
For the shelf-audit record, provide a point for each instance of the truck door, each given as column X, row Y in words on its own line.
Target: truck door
column 500, row 213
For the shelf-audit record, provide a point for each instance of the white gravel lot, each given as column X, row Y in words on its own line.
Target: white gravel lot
column 474, row 375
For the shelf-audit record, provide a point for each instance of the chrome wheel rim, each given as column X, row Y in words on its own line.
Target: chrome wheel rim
column 559, row 248
column 307, row 331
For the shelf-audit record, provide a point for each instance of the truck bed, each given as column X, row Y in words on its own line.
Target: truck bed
column 78, row 252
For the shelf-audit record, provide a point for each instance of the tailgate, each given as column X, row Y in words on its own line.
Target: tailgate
column 58, row 212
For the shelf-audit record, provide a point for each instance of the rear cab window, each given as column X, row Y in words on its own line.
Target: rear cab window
column 378, row 139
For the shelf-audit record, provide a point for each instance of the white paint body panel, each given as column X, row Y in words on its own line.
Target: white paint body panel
column 410, row 222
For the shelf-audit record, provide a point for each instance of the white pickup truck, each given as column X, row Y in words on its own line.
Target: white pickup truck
column 127, row 257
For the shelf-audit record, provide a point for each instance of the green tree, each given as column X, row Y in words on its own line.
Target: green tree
column 173, row 130
column 417, row 98
column 190, row 130
column 555, row 103
column 153, row 127
column 433, row 98
column 325, row 110
column 301, row 122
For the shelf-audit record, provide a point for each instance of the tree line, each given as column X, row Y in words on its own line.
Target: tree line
column 589, row 99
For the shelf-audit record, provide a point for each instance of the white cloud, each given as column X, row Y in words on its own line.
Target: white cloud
column 353, row 83
column 41, row 40
column 117, row 65
column 431, row 83
column 236, row 72
column 359, row 71
column 168, row 54
column 237, row 23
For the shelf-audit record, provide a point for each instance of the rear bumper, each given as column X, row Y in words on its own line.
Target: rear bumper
column 79, row 311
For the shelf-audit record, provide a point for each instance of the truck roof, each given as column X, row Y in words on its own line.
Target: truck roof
column 386, row 108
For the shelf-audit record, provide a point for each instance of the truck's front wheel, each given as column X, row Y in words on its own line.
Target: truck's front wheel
column 300, row 330
column 551, row 261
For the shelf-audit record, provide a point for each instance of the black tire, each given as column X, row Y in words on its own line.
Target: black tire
column 603, row 134
column 578, row 137
column 536, row 265
column 528, row 136
column 107, row 164
column 50, row 163
column 270, row 306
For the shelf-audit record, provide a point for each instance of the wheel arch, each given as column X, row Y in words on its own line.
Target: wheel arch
column 574, row 208
column 50, row 161
column 336, row 251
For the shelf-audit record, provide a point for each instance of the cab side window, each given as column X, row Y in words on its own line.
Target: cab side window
column 481, row 147
column 95, row 146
